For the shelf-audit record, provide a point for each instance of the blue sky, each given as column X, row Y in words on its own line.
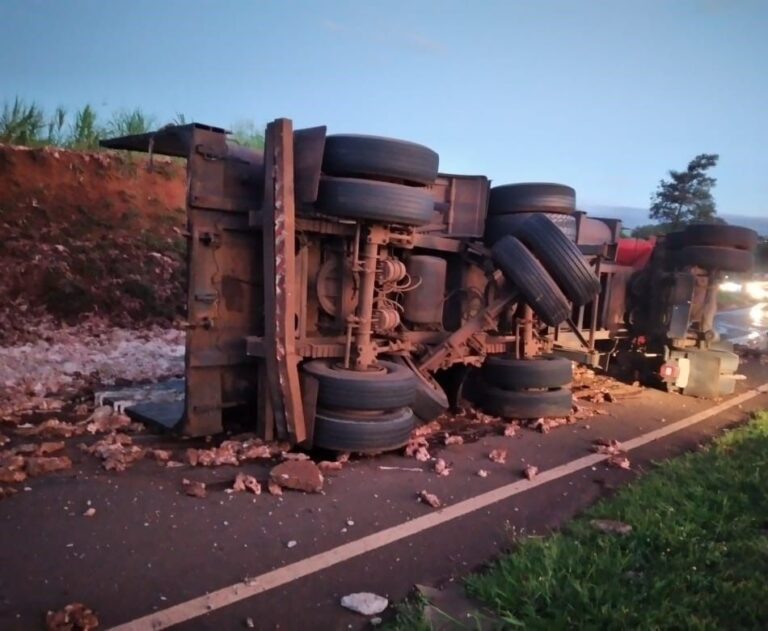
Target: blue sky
column 603, row 95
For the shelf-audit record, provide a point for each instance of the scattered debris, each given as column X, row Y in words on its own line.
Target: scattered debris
column 441, row 467
column 290, row 544
column 74, row 617
column 498, row 456
column 27, row 449
column 43, row 465
column 530, row 471
column 116, row 451
column 330, row 465
column 414, row 469
column 233, row 452
column 511, row 429
column 427, row 429
column 245, row 482
column 343, row 457
column 453, row 440
column 4, row 440
column 163, row 456
column 417, row 448
column 194, row 489
column 249, row 623
column 52, row 358
column 53, row 428
column 619, row 461
column 611, row 446
column 105, row 419
column 274, row 488
column 47, row 448
column 365, row 603
column 294, row 456
column 611, row 526
column 11, row 468
column 482, row 473
column 422, row 455
column 299, row 475
column 430, row 498
column 90, row 512
column 7, row 491
column 215, row 457
column 544, row 425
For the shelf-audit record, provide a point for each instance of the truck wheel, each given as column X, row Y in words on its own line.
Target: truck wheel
column 351, row 155
column 386, row 386
column 711, row 257
column 497, row 226
column 525, row 404
column 525, row 272
column 363, row 432
column 375, row 201
column 674, row 240
column 561, row 258
column 532, row 197
column 720, row 235
column 522, row 374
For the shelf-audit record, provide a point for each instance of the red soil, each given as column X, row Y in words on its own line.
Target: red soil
column 89, row 233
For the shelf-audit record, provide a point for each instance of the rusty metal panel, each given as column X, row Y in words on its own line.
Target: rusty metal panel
column 279, row 243
column 308, row 148
column 225, row 303
column 225, row 177
column 462, row 201
column 171, row 140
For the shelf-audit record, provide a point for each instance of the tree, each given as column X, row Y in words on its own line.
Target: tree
column 687, row 196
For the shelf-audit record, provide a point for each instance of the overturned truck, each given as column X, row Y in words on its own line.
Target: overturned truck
column 342, row 289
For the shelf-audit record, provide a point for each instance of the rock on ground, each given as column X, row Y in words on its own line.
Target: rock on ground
column 299, row 475
column 365, row 603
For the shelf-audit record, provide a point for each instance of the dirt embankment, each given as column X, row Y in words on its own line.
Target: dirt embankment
column 89, row 233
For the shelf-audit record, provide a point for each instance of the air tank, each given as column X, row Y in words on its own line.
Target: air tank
column 424, row 303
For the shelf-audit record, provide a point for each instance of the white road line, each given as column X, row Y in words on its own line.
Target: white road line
column 239, row 591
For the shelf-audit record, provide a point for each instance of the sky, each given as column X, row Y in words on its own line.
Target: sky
column 605, row 96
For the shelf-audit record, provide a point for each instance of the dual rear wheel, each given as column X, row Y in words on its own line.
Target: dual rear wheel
column 525, row 388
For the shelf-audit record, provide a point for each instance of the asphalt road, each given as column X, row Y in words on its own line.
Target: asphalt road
column 149, row 546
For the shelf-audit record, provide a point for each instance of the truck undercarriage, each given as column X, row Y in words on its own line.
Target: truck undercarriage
column 335, row 280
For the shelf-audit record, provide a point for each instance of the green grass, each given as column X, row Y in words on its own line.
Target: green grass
column 26, row 123
column 697, row 557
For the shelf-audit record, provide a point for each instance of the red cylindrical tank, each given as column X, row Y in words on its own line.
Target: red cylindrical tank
column 634, row 252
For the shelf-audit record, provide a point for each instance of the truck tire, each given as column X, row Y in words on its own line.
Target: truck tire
column 351, row 155
column 522, row 374
column 525, row 404
column 674, row 240
column 529, row 197
column 363, row 432
column 525, row 272
column 720, row 235
column 712, row 257
column 561, row 258
column 391, row 386
column 497, row 226
column 375, row 201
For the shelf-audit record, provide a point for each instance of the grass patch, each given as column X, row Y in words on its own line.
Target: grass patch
column 697, row 557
